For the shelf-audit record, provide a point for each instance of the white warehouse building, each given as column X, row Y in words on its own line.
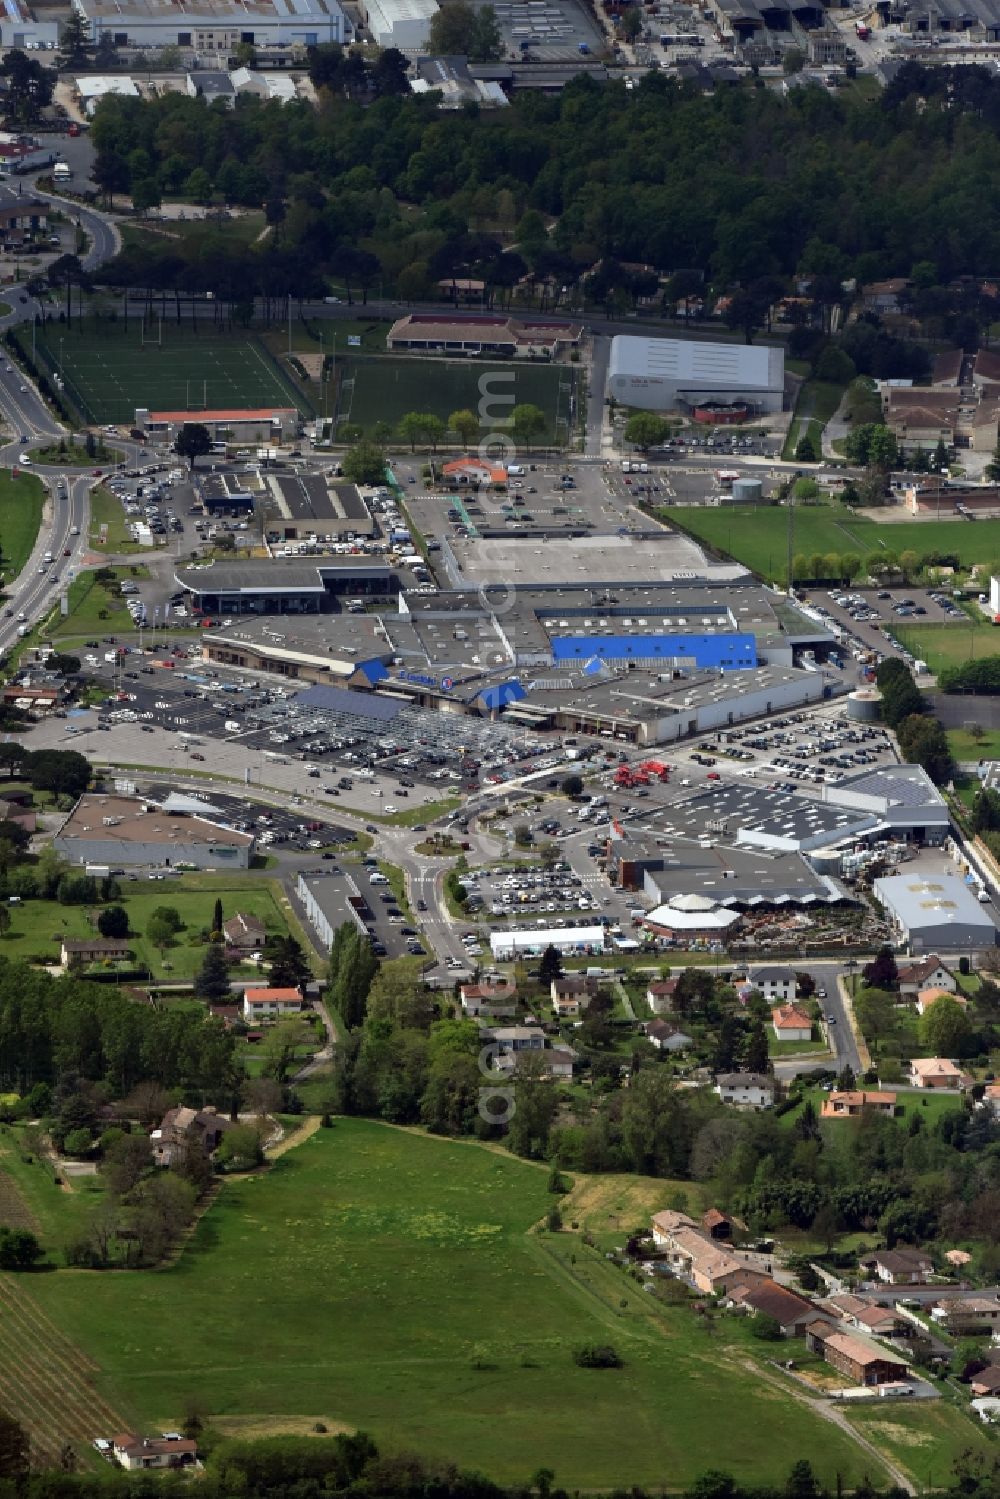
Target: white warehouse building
column 405, row 24
column 215, row 25
column 670, row 374
column 565, row 940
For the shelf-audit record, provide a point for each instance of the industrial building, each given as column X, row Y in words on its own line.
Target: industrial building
column 405, row 24
column 936, row 913
column 323, row 902
column 296, row 587
column 308, row 505
column 903, row 797
column 567, row 941
column 127, row 831
column 718, row 382
column 214, row 25
column 668, row 869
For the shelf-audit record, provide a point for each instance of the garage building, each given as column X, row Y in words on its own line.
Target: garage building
column 127, row 831
column 936, row 913
column 671, row 374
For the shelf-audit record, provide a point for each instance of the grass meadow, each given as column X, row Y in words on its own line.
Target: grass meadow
column 381, row 1279
column 756, row 535
column 385, row 388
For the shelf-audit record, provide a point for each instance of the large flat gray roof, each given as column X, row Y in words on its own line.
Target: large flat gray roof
column 689, row 364
column 933, row 900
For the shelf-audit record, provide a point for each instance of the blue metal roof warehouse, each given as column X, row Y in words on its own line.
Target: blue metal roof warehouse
column 729, row 652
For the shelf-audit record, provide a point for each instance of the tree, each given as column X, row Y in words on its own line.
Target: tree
column 465, row 424
column 217, row 915
column 549, row 966
column 281, row 1044
column 943, row 1028
column 387, row 75
column 882, row 972
column 364, row 463
column 113, row 922
column 212, row 979
column 240, row 1149
column 572, row 785
column 631, row 22
column 4, row 921
column 434, row 429
column 805, row 449
column 766, row 1328
column 527, row 423
column 160, row 931
column 993, row 467
column 15, row 1450
column 126, row 1162
column 644, row 429
column 459, row 29
column 193, row 442
column 75, row 38
column 66, row 666
column 29, row 86
column 793, row 60
column 412, row 428
column 63, row 772
column 757, row 1049
column 288, row 965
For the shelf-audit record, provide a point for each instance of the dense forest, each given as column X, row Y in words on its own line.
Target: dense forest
column 741, row 185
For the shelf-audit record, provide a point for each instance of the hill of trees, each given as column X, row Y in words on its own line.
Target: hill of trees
column 746, row 186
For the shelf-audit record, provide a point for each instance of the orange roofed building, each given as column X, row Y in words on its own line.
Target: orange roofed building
column 849, row 1103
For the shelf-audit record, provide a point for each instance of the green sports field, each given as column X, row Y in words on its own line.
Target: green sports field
column 757, row 535
column 384, row 389
column 109, row 370
column 394, row 1282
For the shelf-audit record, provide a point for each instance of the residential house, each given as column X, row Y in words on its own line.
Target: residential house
column 660, row 995
column 885, row 296
column 243, row 934
column 791, row 1024
column 775, row 983
column 991, row 1097
column 928, row 997
column 571, row 994
column 929, row 973
column 792, row 1313
column 965, row 1316
column 94, row 950
column 850, row 1102
column 936, row 1072
column 494, row 999
column 751, row 1090
column 168, row 1451
column 987, row 1381
column 861, row 1362
column 557, row 1061
column 474, row 471
column 902, row 1266
column 880, row 1321
column 691, row 1255
column 513, row 1039
column 666, row 1037
column 717, row 1225
column 182, row 1128
column 270, row 1004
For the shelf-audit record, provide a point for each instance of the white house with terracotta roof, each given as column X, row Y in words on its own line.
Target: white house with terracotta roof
column 474, row 471
column 936, row 1072
column 848, row 1103
column 791, row 1024
column 660, row 995
column 168, row 1451
column 270, row 1004
column 930, row 996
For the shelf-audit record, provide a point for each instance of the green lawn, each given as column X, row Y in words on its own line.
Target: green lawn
column 109, row 370
column 758, row 535
column 816, row 403
column 392, row 1282
column 965, row 746
column 924, row 1438
column 38, row 926
column 949, row 645
column 384, row 389
column 795, row 1048
column 195, row 234
column 108, row 527
column 20, row 517
column 94, row 610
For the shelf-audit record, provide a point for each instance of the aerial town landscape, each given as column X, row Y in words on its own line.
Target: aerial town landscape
column 499, row 748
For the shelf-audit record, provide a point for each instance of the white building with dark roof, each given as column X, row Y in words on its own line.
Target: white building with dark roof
column 670, row 374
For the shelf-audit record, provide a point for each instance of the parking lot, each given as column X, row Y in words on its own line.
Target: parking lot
column 869, row 617
column 502, row 891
